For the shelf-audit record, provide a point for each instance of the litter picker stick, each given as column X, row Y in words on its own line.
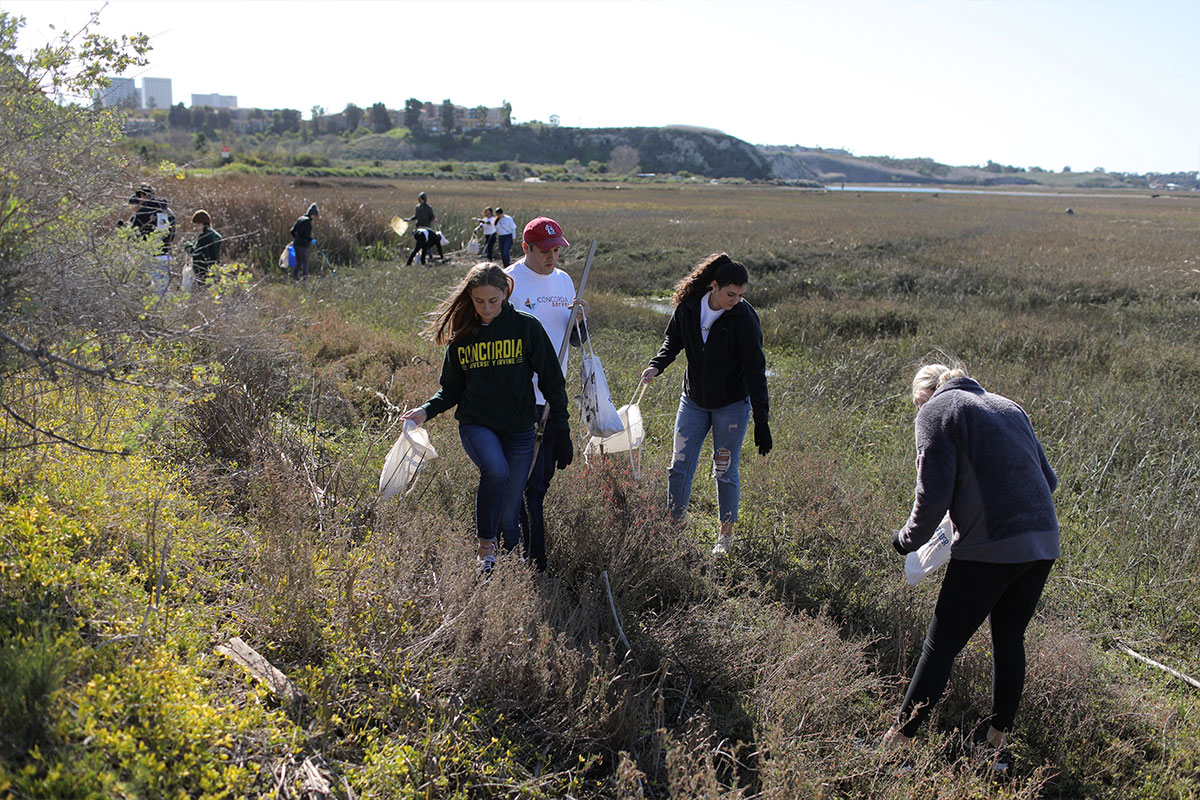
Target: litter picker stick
column 562, row 351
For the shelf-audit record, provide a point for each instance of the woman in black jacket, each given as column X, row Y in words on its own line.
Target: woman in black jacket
column 725, row 378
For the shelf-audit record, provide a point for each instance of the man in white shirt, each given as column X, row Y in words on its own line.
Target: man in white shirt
column 506, row 228
column 542, row 289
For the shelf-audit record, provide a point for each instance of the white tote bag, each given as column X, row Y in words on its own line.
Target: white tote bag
column 473, row 246
column 595, row 400
column 932, row 555
column 628, row 440
column 404, row 460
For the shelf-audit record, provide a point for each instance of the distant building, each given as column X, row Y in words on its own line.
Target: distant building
column 120, row 92
column 465, row 119
column 156, row 93
column 140, row 125
column 244, row 123
column 215, row 100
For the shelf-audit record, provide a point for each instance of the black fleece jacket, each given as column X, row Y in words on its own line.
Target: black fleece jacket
column 489, row 376
column 729, row 367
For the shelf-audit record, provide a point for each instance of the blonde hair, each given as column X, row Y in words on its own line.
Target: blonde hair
column 455, row 316
column 930, row 377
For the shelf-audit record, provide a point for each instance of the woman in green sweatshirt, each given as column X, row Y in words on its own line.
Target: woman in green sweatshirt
column 493, row 351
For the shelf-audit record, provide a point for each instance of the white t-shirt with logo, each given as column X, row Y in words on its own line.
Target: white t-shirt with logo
column 547, row 297
column 708, row 316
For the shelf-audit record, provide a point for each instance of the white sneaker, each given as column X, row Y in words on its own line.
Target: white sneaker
column 721, row 548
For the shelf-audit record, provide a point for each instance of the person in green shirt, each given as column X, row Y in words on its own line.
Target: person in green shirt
column 206, row 250
column 493, row 351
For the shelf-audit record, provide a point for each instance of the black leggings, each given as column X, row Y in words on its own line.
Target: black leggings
column 971, row 592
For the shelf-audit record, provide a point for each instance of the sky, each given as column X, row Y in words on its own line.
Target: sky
column 1047, row 83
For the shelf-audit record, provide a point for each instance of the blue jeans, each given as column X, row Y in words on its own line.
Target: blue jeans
column 506, row 241
column 533, row 515
column 692, row 424
column 160, row 274
column 503, row 463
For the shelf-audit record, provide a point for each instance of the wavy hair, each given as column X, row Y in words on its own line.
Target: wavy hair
column 455, row 317
column 717, row 267
column 931, row 376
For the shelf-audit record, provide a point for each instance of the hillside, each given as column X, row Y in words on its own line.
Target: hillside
column 674, row 150
column 834, row 165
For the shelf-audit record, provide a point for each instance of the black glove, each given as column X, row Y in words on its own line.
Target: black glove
column 564, row 451
column 899, row 545
column 762, row 437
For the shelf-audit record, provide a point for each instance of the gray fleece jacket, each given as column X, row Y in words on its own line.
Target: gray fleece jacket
column 977, row 456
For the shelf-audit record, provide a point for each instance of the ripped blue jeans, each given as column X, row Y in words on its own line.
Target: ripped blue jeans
column 692, row 424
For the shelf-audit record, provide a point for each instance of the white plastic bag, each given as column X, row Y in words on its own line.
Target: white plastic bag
column 405, row 459
column 444, row 240
column 595, row 400
column 187, row 279
column 628, row 440
column 473, row 246
column 933, row 554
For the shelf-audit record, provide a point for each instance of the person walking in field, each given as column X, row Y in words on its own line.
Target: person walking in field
column 423, row 215
column 978, row 457
column 548, row 293
column 506, row 229
column 207, row 248
column 724, row 383
column 152, row 216
column 301, row 239
column 493, row 352
column 487, row 226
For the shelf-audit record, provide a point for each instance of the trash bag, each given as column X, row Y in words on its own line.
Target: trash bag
column 628, row 440
column 404, row 461
column 442, row 238
column 932, row 555
column 473, row 246
column 595, row 399
column 187, row 279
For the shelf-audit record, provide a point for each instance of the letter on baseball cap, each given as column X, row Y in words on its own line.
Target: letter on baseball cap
column 544, row 234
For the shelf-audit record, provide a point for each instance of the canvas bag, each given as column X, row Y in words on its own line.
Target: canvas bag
column 595, row 399
column 932, row 555
column 410, row 452
column 628, row 440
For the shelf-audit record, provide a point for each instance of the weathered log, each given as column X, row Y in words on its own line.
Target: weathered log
column 1129, row 651
column 263, row 670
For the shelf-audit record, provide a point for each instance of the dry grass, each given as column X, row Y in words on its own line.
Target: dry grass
column 759, row 676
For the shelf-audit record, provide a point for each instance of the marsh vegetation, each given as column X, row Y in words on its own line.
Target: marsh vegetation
column 246, row 506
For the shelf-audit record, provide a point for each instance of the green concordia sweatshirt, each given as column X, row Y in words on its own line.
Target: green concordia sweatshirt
column 489, row 376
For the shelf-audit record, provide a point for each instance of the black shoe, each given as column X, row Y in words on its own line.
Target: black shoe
column 997, row 760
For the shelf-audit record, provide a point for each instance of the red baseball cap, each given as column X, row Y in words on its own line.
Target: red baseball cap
column 544, row 234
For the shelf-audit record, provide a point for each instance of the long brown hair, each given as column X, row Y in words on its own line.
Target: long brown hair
column 455, row 316
column 718, row 267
